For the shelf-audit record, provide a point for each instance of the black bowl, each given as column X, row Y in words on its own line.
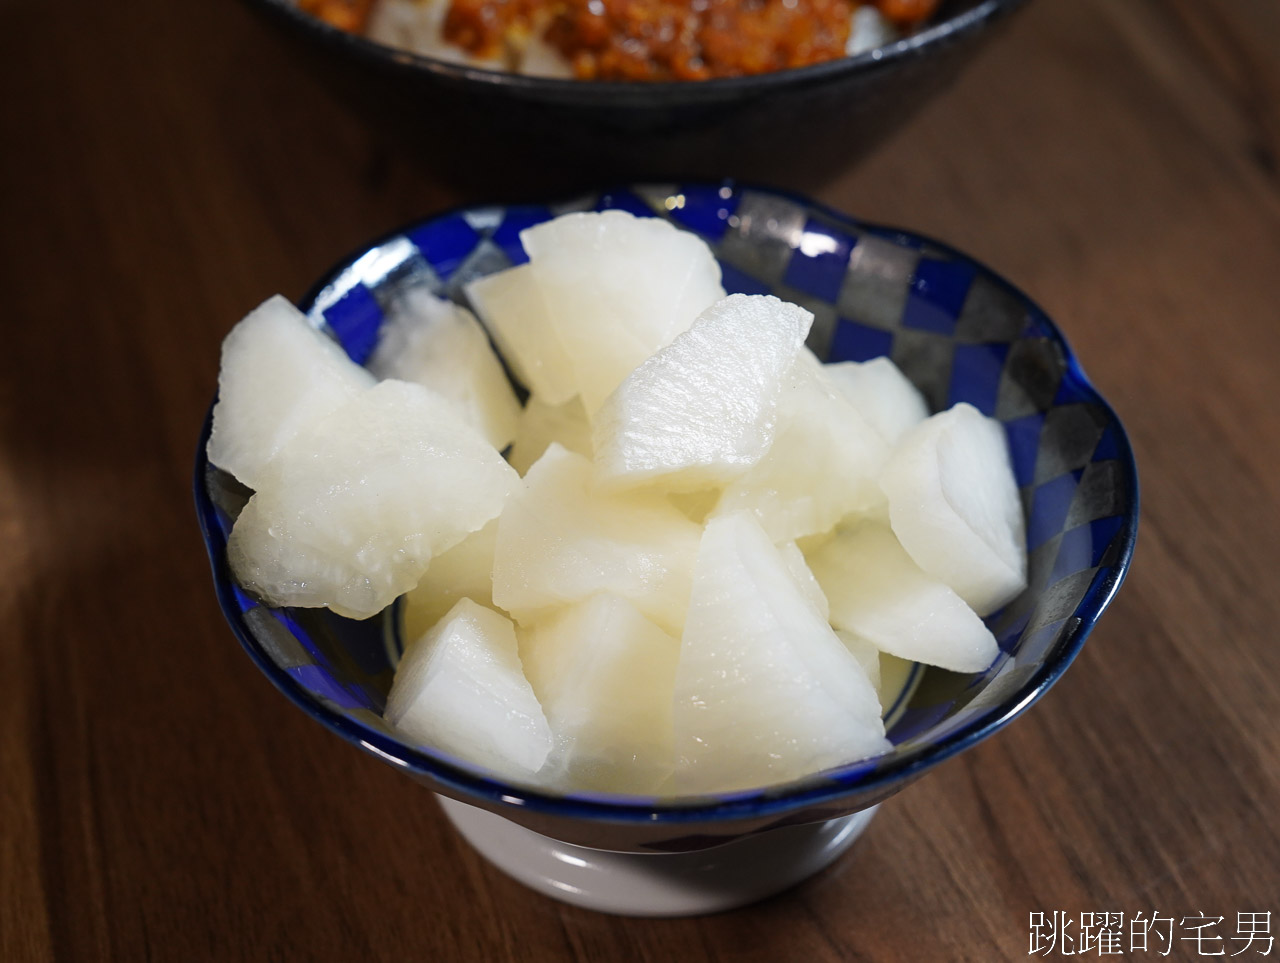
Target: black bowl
column 799, row 126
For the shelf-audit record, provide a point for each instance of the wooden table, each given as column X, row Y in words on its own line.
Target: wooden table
column 1119, row 159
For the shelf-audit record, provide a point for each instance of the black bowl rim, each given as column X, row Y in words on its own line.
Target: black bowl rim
column 772, row 801
column 642, row 93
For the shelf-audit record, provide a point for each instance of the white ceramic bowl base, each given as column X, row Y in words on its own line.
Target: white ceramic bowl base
column 658, row 884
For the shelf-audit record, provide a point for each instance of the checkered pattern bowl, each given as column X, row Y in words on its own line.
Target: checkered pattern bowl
column 958, row 330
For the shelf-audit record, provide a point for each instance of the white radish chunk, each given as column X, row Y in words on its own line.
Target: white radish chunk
column 605, row 676
column 954, row 506
column 352, row 510
column 824, row 463
column 460, row 689
column 440, row 345
column 464, row 571
column 559, row 542
column 512, row 309
column 617, row 288
column 881, row 393
column 765, row 691
column 696, row 506
column 702, row 410
column 796, row 564
column 279, row 374
column 878, row 593
column 868, row 657
column 541, row 424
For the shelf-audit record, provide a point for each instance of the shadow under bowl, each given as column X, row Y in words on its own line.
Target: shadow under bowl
column 955, row 328
column 799, row 126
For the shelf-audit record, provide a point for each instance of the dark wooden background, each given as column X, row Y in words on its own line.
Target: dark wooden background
column 161, row 171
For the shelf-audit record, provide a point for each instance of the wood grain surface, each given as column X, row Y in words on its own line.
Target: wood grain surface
column 163, row 171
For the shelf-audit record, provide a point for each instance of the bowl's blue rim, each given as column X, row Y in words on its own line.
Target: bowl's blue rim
column 953, row 28
column 772, row 801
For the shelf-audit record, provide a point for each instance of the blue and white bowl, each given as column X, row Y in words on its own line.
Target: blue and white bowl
column 957, row 329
